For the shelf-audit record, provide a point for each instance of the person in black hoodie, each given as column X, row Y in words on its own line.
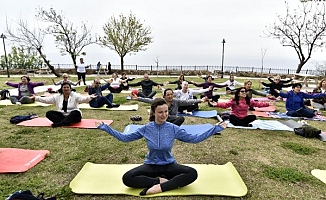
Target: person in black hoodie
column 275, row 84
column 147, row 87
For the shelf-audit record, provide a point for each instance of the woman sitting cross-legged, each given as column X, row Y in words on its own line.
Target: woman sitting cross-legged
column 160, row 171
column 67, row 105
column 295, row 101
column 25, row 90
column 240, row 104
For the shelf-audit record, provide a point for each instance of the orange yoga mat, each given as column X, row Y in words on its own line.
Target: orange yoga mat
column 14, row 160
column 85, row 123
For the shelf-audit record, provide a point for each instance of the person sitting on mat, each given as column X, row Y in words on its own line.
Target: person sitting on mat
column 250, row 92
column 100, row 100
column 124, row 85
column 64, row 80
column 231, row 84
column 67, row 106
column 320, row 103
column 147, row 87
column 295, row 101
column 115, row 83
column 179, row 82
column 25, row 90
column 240, row 104
column 160, row 171
column 276, row 84
column 185, row 94
column 209, row 93
column 173, row 105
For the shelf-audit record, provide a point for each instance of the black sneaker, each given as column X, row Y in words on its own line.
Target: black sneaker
column 136, row 118
column 115, row 105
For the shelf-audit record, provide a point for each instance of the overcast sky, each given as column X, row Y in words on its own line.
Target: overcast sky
column 186, row 32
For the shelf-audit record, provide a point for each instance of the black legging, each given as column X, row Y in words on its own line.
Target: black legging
column 58, row 117
column 145, row 176
column 81, row 76
column 242, row 122
column 177, row 121
column 214, row 98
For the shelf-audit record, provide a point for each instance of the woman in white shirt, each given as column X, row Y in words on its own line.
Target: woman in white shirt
column 67, row 106
column 81, row 70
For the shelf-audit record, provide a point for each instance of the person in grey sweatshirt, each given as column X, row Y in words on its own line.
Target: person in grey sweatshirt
column 160, row 171
column 173, row 105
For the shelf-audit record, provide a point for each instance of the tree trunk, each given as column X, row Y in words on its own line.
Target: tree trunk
column 300, row 65
column 47, row 62
column 121, row 62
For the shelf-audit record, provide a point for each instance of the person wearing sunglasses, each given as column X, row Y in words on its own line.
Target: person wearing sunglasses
column 65, row 80
column 100, row 100
column 275, row 85
column 240, row 104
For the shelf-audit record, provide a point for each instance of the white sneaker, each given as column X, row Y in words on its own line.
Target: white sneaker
column 189, row 113
column 18, row 103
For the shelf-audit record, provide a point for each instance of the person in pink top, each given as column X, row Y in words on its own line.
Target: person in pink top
column 240, row 104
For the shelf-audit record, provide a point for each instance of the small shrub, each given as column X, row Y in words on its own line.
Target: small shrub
column 285, row 174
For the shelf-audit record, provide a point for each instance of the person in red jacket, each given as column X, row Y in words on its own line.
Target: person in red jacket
column 240, row 104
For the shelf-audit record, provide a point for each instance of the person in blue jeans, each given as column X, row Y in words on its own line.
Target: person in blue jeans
column 100, row 100
column 295, row 101
column 160, row 171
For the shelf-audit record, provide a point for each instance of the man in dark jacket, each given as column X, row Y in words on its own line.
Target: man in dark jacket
column 147, row 87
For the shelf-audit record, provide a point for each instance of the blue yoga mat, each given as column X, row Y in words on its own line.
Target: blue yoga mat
column 195, row 128
column 203, row 114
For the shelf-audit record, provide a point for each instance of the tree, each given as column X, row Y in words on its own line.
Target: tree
column 302, row 29
column 30, row 38
column 23, row 58
column 67, row 38
column 125, row 35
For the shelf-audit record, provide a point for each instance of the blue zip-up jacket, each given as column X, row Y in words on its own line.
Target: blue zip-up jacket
column 296, row 101
column 98, row 92
column 160, row 139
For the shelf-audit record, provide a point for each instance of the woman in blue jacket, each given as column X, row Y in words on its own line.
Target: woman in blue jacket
column 160, row 171
column 295, row 101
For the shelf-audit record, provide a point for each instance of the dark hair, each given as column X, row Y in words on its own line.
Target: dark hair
column 64, row 83
column 294, row 85
column 164, row 93
column 157, row 102
column 27, row 77
column 183, row 77
column 237, row 98
column 123, row 73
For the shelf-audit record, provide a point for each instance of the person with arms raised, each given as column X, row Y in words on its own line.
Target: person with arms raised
column 240, row 104
column 160, row 171
column 25, row 90
column 67, row 106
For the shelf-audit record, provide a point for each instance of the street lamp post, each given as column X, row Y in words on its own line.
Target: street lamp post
column 4, row 47
column 223, row 42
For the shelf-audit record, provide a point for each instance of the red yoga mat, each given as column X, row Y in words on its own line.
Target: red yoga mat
column 85, row 123
column 260, row 114
column 20, row 160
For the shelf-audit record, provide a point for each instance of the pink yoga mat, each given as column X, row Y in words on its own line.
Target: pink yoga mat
column 260, row 114
column 265, row 109
column 85, row 123
column 20, row 160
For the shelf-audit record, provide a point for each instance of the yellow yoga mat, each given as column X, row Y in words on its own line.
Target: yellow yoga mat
column 223, row 180
column 320, row 174
column 121, row 107
column 8, row 103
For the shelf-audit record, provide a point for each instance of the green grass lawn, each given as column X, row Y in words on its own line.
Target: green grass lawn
column 273, row 164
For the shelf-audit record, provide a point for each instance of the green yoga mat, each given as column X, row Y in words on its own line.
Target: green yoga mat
column 320, row 174
column 121, row 107
column 223, row 180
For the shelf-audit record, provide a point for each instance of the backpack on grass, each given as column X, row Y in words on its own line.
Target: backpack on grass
column 4, row 94
column 19, row 118
column 307, row 131
column 27, row 195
